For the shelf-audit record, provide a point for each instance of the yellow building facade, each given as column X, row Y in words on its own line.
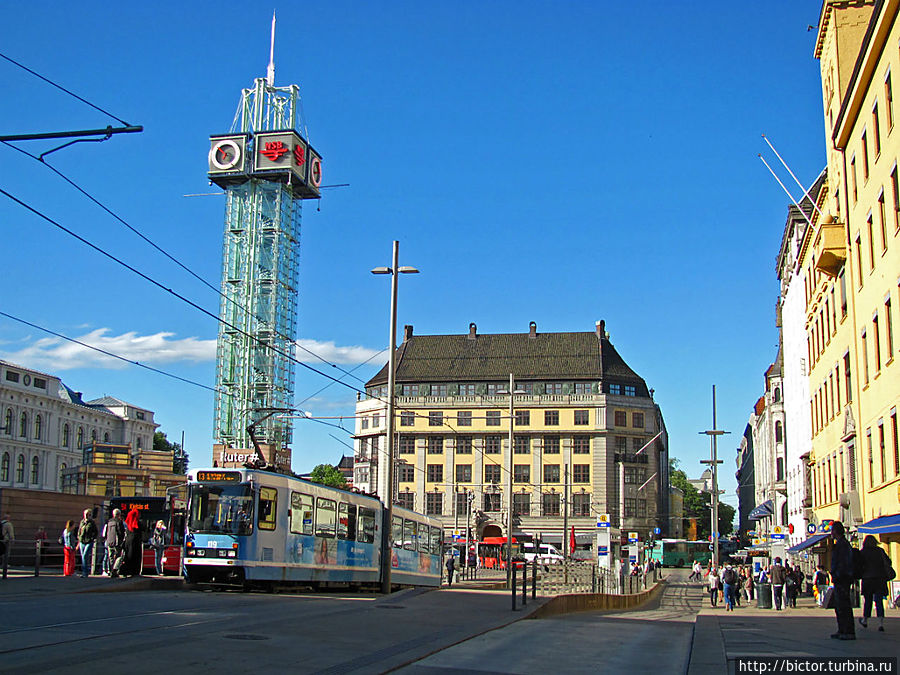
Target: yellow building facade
column 852, row 273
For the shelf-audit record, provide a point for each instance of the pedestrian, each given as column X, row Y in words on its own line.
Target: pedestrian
column 738, row 587
column 134, row 546
column 451, row 566
column 729, row 581
column 877, row 571
column 820, row 582
column 40, row 536
column 713, row 582
column 158, row 543
column 114, row 538
column 778, row 575
column 842, row 577
column 87, row 538
column 795, row 579
column 69, row 540
column 748, row 586
column 696, row 571
column 7, row 537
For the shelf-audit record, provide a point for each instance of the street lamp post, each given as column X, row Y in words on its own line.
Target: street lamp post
column 713, row 463
column 509, row 479
column 394, row 270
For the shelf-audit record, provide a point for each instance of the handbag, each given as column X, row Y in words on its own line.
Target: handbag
column 889, row 572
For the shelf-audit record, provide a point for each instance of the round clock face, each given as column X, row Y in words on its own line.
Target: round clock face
column 225, row 154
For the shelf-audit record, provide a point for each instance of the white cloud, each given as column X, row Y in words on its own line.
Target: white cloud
column 54, row 354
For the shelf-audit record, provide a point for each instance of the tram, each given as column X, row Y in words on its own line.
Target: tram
column 252, row 528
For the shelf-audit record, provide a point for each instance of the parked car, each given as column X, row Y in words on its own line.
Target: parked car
column 546, row 555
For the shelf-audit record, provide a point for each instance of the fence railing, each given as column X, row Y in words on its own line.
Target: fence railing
column 37, row 555
column 587, row 577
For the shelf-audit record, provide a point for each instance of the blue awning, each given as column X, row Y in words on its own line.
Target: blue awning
column 882, row 525
column 812, row 541
column 764, row 510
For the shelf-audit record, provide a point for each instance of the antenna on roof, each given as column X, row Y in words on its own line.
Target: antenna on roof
column 270, row 71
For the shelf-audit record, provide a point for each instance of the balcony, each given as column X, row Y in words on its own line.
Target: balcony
column 829, row 248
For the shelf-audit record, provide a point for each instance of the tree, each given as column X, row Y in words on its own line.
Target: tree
column 697, row 505
column 326, row 474
column 180, row 461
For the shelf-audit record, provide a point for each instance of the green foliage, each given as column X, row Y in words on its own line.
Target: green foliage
column 326, row 474
column 180, row 462
column 697, row 505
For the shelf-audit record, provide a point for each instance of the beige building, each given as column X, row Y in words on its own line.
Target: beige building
column 579, row 427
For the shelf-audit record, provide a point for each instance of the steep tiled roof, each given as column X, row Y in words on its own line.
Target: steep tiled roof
column 491, row 358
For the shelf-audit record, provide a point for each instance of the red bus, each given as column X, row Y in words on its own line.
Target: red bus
column 170, row 510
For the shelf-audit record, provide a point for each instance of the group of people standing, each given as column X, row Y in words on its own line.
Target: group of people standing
column 119, row 546
column 727, row 584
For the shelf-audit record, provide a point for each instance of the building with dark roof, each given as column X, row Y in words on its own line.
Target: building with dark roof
column 584, row 421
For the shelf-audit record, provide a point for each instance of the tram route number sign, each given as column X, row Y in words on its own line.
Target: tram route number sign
column 218, row 477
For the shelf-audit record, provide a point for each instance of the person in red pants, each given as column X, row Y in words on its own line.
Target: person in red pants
column 70, row 545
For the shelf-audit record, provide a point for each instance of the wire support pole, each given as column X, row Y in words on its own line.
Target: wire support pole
column 714, row 462
column 108, row 131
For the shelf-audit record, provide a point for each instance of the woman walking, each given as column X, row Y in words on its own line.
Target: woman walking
column 877, row 571
column 134, row 546
column 70, row 543
column 713, row 581
column 158, row 543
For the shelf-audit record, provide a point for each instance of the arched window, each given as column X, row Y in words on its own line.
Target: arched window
column 66, row 436
column 20, row 469
column 4, row 467
column 23, row 425
column 106, row 437
column 777, row 394
column 779, row 432
column 62, row 470
column 79, row 438
column 38, row 423
column 35, row 470
column 93, row 435
column 7, row 424
column 138, row 442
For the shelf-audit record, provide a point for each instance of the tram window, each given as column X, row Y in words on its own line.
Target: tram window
column 422, row 542
column 409, row 535
column 366, row 531
column 268, row 500
column 351, row 522
column 221, row 510
column 342, row 522
column 325, row 512
column 397, row 531
column 436, row 536
column 301, row 513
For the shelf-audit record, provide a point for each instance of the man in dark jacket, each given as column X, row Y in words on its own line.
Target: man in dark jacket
column 778, row 575
column 842, row 577
column 115, row 538
column 87, row 537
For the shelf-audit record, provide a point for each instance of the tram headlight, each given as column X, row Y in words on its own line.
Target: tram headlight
column 199, row 552
column 232, row 554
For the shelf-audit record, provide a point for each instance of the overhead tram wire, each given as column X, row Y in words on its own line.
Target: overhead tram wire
column 149, row 241
column 112, row 355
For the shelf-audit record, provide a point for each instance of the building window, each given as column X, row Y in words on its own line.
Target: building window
column 635, row 475
column 407, row 444
column 615, row 389
column 622, row 444
column 869, row 226
column 550, row 504
column 23, row 425
column 581, row 445
column 491, row 473
column 582, row 417
column 871, row 456
column 581, row 473
column 463, row 445
column 406, row 500
column 843, row 286
column 106, row 437
column 876, row 131
column 865, row 155
column 584, row 387
column 38, row 427
column 551, row 418
column 410, row 390
column 65, row 436
column 888, row 102
column 464, row 418
column 492, row 445
column 641, row 508
column 522, row 473
column 848, row 386
column 551, row 473
column 896, row 440
column 11, row 376
column 463, row 473
column 364, row 422
column 881, row 450
column 4, row 467
column 435, row 445
column 434, row 503
column 140, row 415
column 434, row 473
column 876, row 342
column 888, row 330
column 553, row 388
column 62, row 470
column 523, row 418
column 465, row 389
column 406, row 473
column 581, row 505
column 435, row 418
column 865, row 357
column 407, row 418
column 637, row 420
column 35, row 470
column 621, row 418
column 7, row 423
column 779, row 431
column 491, row 502
column 492, row 418
column 493, row 388
column 522, row 444
column 895, row 199
column 440, row 390
column 630, row 507
column 551, row 445
column 79, row 438
column 630, row 390
column 522, row 504
column 882, row 222
column 20, row 469
column 376, row 421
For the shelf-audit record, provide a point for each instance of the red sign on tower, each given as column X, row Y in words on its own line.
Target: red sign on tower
column 274, row 150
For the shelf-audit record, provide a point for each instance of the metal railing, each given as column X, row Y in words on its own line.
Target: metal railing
column 587, row 577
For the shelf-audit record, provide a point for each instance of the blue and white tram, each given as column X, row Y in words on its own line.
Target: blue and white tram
column 247, row 528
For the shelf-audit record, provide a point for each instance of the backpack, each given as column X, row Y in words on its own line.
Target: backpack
column 858, row 564
column 728, row 576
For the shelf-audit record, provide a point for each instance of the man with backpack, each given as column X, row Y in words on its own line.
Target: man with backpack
column 729, row 580
column 778, row 575
column 842, row 577
column 87, row 537
column 115, row 539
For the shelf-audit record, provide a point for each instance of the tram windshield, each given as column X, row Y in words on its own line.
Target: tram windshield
column 226, row 509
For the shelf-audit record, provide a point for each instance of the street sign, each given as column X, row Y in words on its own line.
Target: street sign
column 776, row 535
column 811, row 528
column 777, row 529
column 657, row 530
column 757, row 542
column 632, row 537
column 603, row 520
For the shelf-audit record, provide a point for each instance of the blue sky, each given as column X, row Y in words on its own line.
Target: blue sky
column 556, row 162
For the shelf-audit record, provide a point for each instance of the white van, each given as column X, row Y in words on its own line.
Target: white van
column 548, row 554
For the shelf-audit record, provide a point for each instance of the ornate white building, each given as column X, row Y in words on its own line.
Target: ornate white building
column 44, row 426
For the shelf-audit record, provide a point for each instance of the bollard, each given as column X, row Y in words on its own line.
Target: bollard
column 37, row 557
column 514, row 588
column 593, row 580
column 534, row 579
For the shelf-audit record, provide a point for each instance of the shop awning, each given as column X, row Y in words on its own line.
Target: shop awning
column 882, row 525
column 812, row 541
column 764, row 510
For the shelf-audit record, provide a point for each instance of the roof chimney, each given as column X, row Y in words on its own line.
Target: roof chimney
column 472, row 328
column 601, row 329
column 407, row 332
column 532, row 329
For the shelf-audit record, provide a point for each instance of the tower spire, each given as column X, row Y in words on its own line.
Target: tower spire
column 270, row 71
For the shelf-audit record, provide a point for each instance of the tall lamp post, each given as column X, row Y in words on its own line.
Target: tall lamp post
column 509, row 478
column 713, row 463
column 394, row 270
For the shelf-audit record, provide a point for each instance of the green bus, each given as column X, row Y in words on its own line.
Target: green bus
column 680, row 552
